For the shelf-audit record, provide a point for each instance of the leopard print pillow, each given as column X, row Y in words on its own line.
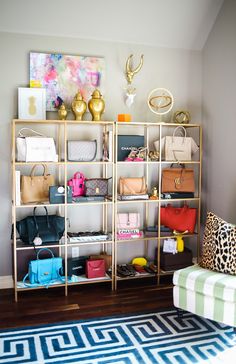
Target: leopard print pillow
column 219, row 245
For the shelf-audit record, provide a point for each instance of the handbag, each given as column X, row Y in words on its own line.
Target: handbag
column 36, row 188
column 44, row 271
column 37, row 148
column 77, row 184
column 177, row 180
column 95, row 268
column 177, row 147
column 132, row 186
column 96, row 187
column 179, row 218
column 128, row 220
column 38, row 229
column 106, row 257
column 81, row 150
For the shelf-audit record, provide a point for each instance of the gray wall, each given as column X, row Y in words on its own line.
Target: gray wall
column 219, row 115
column 178, row 70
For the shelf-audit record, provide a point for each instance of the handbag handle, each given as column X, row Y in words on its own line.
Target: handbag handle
column 20, row 134
column 78, row 175
column 182, row 128
column 45, row 170
column 35, row 220
column 49, row 250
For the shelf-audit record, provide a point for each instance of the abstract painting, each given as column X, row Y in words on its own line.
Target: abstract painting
column 64, row 75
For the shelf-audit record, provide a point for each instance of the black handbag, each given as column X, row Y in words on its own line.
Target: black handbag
column 48, row 228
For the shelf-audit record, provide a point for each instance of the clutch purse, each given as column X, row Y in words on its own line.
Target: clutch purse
column 81, row 150
column 132, row 186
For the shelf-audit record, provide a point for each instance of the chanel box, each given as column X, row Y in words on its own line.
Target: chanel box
column 126, row 142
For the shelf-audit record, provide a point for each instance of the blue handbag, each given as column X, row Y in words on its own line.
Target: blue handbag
column 44, row 271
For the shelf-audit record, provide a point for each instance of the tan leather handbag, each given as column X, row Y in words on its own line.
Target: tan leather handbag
column 36, row 188
column 177, row 180
column 133, row 186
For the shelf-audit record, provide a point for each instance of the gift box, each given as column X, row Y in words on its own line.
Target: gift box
column 169, row 261
column 76, row 266
column 95, row 268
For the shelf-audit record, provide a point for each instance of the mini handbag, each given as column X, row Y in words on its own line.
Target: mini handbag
column 128, row 220
column 47, row 228
column 95, row 268
column 106, row 257
column 77, row 184
column 179, row 218
column 37, row 148
column 44, row 271
column 81, row 150
column 177, row 148
column 132, row 186
column 96, row 187
column 36, row 188
column 177, row 180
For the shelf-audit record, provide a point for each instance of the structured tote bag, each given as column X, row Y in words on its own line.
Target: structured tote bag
column 179, row 218
column 132, row 186
column 36, row 188
column 96, row 187
column 37, row 148
column 47, row 228
column 177, row 180
column 128, row 220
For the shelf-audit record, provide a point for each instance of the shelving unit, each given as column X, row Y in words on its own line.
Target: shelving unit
column 63, row 172
column 121, row 250
column 152, row 132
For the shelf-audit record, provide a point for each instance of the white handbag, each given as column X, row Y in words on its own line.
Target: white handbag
column 37, row 148
column 177, row 148
column 81, row 150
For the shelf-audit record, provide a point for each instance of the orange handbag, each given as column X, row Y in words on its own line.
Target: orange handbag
column 177, row 180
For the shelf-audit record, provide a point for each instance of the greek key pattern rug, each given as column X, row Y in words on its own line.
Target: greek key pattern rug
column 135, row 339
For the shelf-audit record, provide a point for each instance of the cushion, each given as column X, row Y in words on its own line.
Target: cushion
column 219, row 245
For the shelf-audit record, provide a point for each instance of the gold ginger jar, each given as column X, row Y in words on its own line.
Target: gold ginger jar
column 62, row 112
column 78, row 106
column 96, row 105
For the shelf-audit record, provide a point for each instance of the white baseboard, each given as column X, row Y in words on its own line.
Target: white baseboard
column 6, row 282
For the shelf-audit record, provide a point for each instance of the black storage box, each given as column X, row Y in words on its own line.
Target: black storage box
column 76, row 266
column 125, row 144
column 169, row 261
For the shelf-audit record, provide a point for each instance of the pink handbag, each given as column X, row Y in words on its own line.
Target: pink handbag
column 128, row 220
column 77, row 184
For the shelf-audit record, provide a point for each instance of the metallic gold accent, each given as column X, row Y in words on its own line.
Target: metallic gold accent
column 182, row 117
column 96, row 105
column 160, row 98
column 62, row 112
column 129, row 72
column 78, row 106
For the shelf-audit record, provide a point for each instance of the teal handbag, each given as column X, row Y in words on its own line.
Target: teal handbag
column 44, row 271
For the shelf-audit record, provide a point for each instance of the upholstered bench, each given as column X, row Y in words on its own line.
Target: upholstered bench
column 206, row 293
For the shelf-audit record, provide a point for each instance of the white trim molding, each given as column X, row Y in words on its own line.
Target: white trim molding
column 6, row 282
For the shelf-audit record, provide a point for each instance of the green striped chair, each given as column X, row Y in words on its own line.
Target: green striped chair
column 206, row 293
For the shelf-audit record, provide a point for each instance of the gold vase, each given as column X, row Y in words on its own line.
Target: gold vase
column 78, row 106
column 96, row 105
column 62, row 112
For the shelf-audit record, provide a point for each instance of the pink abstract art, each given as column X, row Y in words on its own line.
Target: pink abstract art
column 64, row 76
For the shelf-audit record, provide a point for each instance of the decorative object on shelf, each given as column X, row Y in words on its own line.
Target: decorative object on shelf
column 44, row 271
column 35, row 189
column 170, row 246
column 177, row 148
column 124, row 117
column 96, row 105
column 177, row 180
column 129, row 73
column 62, row 74
column 139, row 261
column 133, row 186
column 77, row 184
column 81, row 150
column 35, row 148
column 137, row 154
column 154, row 155
column 160, row 101
column 154, row 195
column 31, row 103
column 181, row 117
column 179, row 218
column 78, row 106
column 49, row 228
column 180, row 243
column 62, row 112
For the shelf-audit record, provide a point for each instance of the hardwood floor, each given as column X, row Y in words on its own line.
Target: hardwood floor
column 83, row 302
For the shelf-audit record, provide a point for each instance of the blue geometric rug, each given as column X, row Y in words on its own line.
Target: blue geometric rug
column 134, row 339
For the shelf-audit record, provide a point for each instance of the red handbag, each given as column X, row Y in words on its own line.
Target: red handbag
column 95, row 268
column 179, row 218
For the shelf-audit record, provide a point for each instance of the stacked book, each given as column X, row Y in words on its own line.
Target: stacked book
column 87, row 236
column 129, row 234
column 132, row 197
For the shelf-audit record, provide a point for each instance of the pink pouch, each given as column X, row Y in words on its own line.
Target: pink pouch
column 128, row 220
column 77, row 184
